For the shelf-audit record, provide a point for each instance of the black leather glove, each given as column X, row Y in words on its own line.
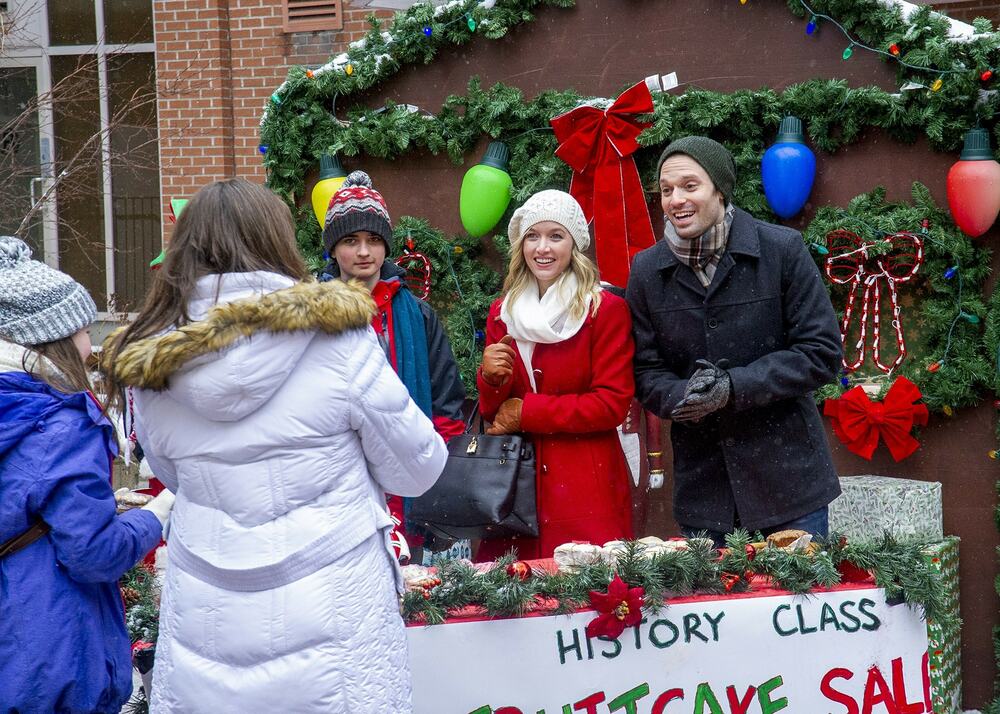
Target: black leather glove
column 707, row 391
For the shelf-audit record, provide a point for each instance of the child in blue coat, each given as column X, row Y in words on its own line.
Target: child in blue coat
column 63, row 644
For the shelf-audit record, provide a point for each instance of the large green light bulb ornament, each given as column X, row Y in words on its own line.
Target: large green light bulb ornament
column 176, row 206
column 486, row 191
column 331, row 177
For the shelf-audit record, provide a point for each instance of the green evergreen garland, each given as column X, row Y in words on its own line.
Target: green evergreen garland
column 141, row 595
column 900, row 568
column 300, row 128
column 298, row 125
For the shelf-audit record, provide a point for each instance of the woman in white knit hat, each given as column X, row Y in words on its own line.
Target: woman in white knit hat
column 63, row 642
column 558, row 367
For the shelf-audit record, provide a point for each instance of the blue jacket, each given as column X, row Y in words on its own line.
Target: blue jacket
column 63, row 644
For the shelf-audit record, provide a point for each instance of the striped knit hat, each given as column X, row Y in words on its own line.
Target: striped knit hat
column 357, row 207
column 38, row 304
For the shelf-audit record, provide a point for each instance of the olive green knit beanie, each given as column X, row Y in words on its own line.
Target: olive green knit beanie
column 713, row 157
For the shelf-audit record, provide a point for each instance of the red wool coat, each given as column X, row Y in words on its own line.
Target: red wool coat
column 585, row 386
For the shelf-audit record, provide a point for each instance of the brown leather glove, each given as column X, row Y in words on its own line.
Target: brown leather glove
column 498, row 361
column 508, row 418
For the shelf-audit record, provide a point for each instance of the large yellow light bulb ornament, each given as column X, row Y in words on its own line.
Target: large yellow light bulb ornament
column 331, row 178
column 485, row 191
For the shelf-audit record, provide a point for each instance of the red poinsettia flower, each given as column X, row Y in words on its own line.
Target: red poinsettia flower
column 620, row 607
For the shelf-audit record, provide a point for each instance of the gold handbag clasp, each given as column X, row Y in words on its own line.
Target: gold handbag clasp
column 473, row 445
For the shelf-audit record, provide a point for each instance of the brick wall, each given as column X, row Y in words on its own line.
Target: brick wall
column 194, row 110
column 217, row 63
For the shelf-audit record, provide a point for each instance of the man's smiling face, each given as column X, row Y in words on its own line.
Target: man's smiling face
column 688, row 197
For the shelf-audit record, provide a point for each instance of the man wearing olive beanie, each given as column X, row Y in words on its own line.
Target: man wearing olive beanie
column 734, row 330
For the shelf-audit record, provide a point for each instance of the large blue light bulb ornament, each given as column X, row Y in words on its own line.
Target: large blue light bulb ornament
column 788, row 169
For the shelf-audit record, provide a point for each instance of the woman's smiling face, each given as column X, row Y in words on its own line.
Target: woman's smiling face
column 547, row 248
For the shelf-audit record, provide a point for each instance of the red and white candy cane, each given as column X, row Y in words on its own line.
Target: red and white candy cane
column 849, row 263
column 419, row 282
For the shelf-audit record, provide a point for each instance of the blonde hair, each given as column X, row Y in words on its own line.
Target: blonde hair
column 520, row 278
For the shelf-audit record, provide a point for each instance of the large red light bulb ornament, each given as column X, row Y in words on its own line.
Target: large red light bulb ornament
column 974, row 185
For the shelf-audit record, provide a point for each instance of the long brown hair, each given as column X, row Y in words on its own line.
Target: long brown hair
column 57, row 363
column 230, row 226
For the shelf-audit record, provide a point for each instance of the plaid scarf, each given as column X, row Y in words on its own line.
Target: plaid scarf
column 701, row 254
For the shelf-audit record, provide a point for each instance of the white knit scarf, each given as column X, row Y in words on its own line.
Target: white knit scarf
column 532, row 320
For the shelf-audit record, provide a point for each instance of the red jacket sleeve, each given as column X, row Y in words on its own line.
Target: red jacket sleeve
column 612, row 384
column 448, row 428
column 490, row 397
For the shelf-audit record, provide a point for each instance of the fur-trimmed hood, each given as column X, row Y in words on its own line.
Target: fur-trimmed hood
column 249, row 331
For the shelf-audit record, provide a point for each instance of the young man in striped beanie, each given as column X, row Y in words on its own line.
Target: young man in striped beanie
column 357, row 237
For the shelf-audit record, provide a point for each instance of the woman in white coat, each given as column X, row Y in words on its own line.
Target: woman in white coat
column 266, row 404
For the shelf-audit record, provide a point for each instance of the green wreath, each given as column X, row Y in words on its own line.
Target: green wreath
column 950, row 367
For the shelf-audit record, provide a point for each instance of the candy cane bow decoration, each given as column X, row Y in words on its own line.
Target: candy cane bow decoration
column 418, row 270
column 850, row 262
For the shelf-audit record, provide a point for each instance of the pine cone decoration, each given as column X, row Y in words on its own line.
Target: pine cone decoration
column 130, row 596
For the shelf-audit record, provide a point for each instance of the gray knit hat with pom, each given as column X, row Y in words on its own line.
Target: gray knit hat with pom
column 38, row 304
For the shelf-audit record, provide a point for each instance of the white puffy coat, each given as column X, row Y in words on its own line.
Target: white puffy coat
column 279, row 425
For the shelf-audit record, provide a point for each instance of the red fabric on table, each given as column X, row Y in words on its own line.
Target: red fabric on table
column 155, row 487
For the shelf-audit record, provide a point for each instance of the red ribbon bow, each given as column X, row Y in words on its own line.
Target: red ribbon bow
column 598, row 145
column 859, row 422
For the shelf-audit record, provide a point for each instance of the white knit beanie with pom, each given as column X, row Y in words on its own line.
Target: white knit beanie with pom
column 38, row 304
column 551, row 205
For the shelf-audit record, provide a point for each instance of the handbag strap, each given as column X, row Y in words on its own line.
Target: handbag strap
column 475, row 416
column 23, row 540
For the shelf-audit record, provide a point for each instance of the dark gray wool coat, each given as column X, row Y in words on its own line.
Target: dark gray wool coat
column 764, row 457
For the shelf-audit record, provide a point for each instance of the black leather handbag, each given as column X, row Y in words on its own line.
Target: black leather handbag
column 487, row 488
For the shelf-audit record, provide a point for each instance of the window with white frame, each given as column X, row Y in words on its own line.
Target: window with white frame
column 90, row 191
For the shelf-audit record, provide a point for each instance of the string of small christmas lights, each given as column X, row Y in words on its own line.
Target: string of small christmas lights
column 342, row 62
column 893, row 52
